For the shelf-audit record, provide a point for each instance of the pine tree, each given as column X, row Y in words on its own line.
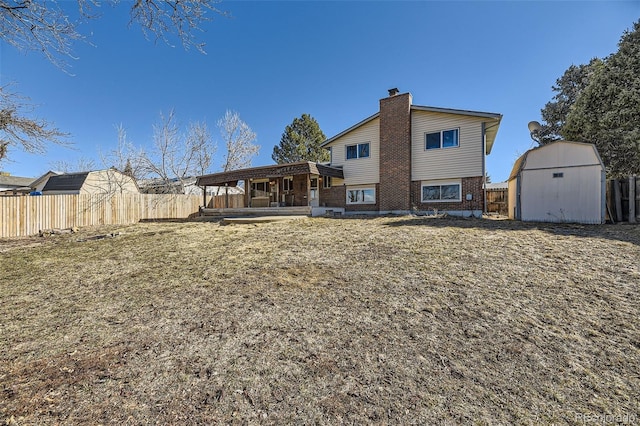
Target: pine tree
column 301, row 141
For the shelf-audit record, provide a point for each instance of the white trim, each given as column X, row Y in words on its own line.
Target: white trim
column 441, row 183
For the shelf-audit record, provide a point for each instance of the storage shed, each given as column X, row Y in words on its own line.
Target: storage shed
column 561, row 181
column 109, row 181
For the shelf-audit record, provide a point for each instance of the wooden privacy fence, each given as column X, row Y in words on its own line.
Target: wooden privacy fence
column 497, row 201
column 623, row 199
column 222, row 201
column 27, row 215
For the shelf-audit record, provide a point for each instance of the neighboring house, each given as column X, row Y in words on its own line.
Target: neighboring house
column 14, row 185
column 562, row 181
column 39, row 183
column 404, row 158
column 109, row 181
column 183, row 186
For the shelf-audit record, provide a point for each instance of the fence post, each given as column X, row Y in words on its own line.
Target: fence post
column 617, row 199
column 632, row 199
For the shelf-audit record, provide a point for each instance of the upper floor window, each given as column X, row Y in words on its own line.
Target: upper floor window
column 360, row 150
column 443, row 139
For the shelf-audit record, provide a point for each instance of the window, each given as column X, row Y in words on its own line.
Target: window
column 361, row 196
column 558, row 175
column 360, row 150
column 287, row 184
column 444, row 139
column 446, row 191
column 326, row 181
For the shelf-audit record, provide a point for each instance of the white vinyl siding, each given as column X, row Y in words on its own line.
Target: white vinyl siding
column 362, row 170
column 465, row 160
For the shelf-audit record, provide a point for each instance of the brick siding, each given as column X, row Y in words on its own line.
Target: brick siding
column 472, row 185
column 336, row 196
column 395, row 154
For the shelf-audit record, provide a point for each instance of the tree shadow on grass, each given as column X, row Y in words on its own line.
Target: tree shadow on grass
column 629, row 233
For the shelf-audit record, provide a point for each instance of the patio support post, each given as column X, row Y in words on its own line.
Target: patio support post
column 204, row 197
column 247, row 192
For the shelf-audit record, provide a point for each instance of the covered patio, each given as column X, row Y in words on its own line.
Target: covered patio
column 277, row 188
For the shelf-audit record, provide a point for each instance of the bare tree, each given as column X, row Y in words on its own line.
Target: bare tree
column 238, row 139
column 44, row 26
column 176, row 158
column 81, row 164
column 17, row 129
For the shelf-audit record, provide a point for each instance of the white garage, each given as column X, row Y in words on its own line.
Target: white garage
column 562, row 181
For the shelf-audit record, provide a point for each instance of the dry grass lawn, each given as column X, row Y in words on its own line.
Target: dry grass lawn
column 391, row 320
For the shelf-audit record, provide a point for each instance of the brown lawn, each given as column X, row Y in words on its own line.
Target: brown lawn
column 329, row 321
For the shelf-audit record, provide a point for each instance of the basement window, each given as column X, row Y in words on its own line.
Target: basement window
column 558, row 175
column 441, row 192
column 361, row 196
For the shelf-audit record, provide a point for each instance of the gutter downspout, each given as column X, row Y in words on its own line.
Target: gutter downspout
column 484, row 172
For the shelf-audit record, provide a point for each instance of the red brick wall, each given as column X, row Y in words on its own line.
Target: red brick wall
column 336, row 196
column 395, row 153
column 471, row 185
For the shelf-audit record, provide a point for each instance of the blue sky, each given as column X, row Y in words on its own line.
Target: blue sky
column 273, row 61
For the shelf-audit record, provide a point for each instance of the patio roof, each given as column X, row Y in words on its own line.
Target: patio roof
column 231, row 178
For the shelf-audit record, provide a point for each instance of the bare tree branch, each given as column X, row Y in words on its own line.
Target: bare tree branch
column 176, row 157
column 17, row 129
column 238, row 138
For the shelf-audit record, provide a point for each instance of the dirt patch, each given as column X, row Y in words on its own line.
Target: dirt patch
column 328, row 321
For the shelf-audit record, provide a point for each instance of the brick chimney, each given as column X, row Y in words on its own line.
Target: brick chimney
column 395, row 152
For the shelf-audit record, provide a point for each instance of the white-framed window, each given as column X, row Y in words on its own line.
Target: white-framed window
column 360, row 150
column 287, row 183
column 326, row 182
column 437, row 192
column 361, row 195
column 444, row 139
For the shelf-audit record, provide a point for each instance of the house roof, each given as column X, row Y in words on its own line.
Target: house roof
column 231, row 178
column 521, row 162
column 66, row 182
column 45, row 176
column 12, row 182
column 491, row 130
column 497, row 186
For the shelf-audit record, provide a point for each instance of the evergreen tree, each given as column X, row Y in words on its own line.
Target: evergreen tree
column 574, row 80
column 607, row 111
column 301, row 141
column 599, row 103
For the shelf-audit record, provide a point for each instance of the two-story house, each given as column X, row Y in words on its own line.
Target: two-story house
column 408, row 158
column 404, row 158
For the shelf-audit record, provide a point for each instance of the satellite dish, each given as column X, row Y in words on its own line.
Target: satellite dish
column 534, row 126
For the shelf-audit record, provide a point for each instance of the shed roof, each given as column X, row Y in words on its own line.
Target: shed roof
column 521, row 162
column 231, row 178
column 66, row 182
